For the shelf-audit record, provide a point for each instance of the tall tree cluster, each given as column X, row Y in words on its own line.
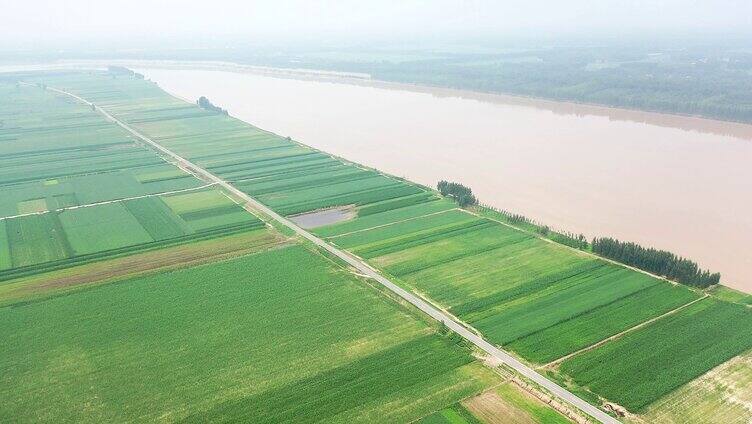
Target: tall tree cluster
column 204, row 103
column 462, row 194
column 122, row 70
column 656, row 261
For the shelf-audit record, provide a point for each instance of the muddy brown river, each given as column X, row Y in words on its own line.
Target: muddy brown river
column 678, row 183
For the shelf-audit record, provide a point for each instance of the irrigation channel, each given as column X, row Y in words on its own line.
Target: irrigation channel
column 366, row 270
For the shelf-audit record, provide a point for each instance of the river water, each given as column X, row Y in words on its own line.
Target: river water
column 678, row 183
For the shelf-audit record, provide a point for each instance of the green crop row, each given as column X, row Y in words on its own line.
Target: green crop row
column 642, row 366
column 600, row 323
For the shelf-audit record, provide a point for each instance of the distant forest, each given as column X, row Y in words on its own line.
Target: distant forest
column 707, row 78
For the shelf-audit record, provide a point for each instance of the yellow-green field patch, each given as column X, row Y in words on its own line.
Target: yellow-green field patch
column 32, row 206
column 196, row 201
column 510, row 404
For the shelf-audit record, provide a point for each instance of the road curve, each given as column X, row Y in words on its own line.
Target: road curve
column 366, row 269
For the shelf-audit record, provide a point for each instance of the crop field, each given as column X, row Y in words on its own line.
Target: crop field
column 455, row 414
column 63, row 238
column 539, row 299
column 75, row 190
column 288, row 177
column 101, row 228
column 6, row 261
column 201, row 344
column 507, row 403
column 649, row 363
column 42, row 285
column 364, row 222
column 55, row 153
column 722, row 395
column 504, row 404
column 731, row 295
column 381, row 237
column 597, row 324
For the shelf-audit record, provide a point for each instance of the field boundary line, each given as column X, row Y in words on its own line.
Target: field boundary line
column 600, row 343
column 365, row 268
column 388, row 224
column 105, row 202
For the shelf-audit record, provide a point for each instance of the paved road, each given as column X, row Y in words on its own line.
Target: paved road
column 366, row 269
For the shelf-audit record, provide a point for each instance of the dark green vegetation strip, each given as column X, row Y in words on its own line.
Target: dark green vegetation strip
column 156, row 218
column 251, row 339
column 644, row 365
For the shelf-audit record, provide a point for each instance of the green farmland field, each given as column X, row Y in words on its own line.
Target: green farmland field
column 537, row 298
column 6, row 260
column 102, row 228
column 57, row 239
column 385, row 218
column 643, row 366
column 36, row 238
column 251, row 339
column 586, row 329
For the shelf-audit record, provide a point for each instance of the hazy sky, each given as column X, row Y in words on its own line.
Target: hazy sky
column 29, row 22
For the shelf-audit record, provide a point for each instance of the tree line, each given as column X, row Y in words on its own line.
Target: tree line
column 204, row 103
column 460, row 193
column 578, row 241
column 658, row 262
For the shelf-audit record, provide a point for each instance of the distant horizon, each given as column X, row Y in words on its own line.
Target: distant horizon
column 46, row 24
column 118, row 45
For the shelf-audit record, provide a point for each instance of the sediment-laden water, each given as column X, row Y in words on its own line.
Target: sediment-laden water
column 677, row 183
